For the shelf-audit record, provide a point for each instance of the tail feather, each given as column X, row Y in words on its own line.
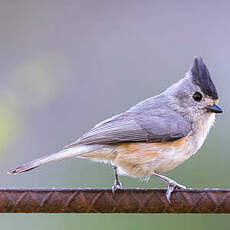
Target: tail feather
column 64, row 154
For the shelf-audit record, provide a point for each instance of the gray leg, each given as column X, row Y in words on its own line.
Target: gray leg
column 117, row 184
column 171, row 185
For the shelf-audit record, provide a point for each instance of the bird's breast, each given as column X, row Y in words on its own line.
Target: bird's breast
column 142, row 159
column 200, row 131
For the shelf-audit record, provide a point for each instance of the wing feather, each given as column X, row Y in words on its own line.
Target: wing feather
column 134, row 127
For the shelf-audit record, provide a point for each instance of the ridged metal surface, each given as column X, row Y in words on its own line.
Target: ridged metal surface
column 103, row 201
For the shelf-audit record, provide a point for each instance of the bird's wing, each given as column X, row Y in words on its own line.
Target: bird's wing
column 133, row 127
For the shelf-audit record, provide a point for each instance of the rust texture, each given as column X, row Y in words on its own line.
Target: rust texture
column 104, row 201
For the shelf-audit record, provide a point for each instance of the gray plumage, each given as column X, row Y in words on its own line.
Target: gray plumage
column 153, row 125
column 157, row 119
column 168, row 117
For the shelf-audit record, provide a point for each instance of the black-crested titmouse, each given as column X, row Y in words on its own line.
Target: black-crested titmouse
column 152, row 137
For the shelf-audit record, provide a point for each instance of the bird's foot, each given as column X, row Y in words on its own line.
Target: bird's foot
column 171, row 187
column 117, row 185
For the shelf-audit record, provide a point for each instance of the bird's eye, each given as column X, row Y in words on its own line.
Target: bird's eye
column 197, row 96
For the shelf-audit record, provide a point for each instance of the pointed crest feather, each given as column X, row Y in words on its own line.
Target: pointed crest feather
column 202, row 78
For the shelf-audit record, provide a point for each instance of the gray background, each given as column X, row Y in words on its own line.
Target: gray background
column 66, row 65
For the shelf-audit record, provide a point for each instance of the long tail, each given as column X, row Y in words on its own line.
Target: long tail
column 64, row 154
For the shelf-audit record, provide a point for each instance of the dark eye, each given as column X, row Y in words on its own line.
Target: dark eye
column 197, row 96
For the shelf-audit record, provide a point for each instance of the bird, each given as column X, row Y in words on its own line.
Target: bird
column 152, row 137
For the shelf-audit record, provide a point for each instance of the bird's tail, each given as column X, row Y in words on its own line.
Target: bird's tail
column 64, row 154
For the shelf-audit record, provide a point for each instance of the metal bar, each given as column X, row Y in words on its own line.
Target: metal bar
column 104, row 201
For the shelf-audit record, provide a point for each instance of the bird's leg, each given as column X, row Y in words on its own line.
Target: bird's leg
column 171, row 185
column 117, row 184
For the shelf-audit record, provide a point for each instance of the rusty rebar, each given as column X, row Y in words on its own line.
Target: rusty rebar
column 104, row 201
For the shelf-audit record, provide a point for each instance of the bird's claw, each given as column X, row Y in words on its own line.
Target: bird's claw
column 116, row 186
column 171, row 187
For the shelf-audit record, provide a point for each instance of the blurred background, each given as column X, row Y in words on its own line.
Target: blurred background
column 66, row 65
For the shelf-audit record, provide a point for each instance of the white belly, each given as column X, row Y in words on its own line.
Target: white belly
column 176, row 155
column 169, row 159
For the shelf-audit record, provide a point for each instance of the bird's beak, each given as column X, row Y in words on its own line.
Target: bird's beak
column 214, row 109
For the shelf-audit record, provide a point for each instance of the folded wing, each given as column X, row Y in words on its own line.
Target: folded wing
column 134, row 127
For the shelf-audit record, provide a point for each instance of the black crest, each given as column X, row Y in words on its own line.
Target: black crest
column 202, row 78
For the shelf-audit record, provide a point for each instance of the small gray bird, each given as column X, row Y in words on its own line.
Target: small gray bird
column 152, row 137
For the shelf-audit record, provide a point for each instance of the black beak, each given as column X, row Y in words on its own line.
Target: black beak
column 214, row 109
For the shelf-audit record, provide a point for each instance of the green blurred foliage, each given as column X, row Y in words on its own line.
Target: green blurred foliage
column 9, row 123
